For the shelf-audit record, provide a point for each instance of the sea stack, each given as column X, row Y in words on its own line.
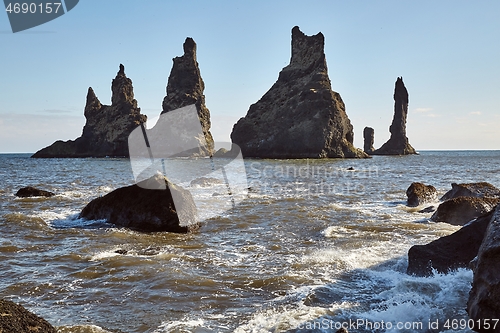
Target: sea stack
column 300, row 116
column 185, row 87
column 107, row 127
column 369, row 139
column 398, row 143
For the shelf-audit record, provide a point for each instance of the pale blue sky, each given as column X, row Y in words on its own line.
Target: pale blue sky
column 448, row 53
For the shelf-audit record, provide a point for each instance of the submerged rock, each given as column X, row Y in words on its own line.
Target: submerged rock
column 29, row 191
column 449, row 252
column 300, row 116
column 107, row 127
column 419, row 194
column 146, row 206
column 398, row 143
column 479, row 190
column 484, row 298
column 185, row 87
column 14, row 318
column 369, row 140
column 459, row 211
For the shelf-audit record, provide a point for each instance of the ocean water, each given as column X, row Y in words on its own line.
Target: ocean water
column 311, row 247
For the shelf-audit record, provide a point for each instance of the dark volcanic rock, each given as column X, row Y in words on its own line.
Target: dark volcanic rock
column 398, row 143
column 484, row 298
column 449, row 252
column 29, row 191
column 459, row 211
column 185, row 87
column 16, row 319
column 300, row 116
column 480, row 190
column 146, row 206
column 107, row 127
column 419, row 194
column 369, row 139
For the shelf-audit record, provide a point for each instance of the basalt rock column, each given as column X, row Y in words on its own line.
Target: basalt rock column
column 185, row 87
column 300, row 116
column 369, row 139
column 398, row 143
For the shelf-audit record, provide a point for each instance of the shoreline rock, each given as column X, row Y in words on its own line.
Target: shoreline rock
column 419, row 194
column 152, row 205
column 479, row 190
column 398, row 143
column 107, row 127
column 300, row 116
column 14, row 318
column 28, row 191
column 460, row 210
column 449, row 252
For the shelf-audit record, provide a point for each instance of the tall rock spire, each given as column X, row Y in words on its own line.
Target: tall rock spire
column 185, row 87
column 398, row 143
column 300, row 116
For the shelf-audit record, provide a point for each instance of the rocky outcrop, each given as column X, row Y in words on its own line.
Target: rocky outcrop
column 484, row 298
column 369, row 140
column 398, row 143
column 449, row 252
column 300, row 116
column 107, row 127
column 185, row 87
column 460, row 210
column 14, row 318
column 29, row 191
column 419, row 194
column 479, row 190
column 154, row 204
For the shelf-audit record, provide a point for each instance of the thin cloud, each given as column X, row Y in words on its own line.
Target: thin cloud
column 475, row 113
column 55, row 111
column 423, row 110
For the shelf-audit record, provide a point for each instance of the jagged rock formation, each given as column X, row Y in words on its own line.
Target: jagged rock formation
column 449, row 252
column 155, row 204
column 15, row 318
column 369, row 139
column 484, row 298
column 185, row 87
column 398, row 143
column 300, row 116
column 419, row 194
column 107, row 127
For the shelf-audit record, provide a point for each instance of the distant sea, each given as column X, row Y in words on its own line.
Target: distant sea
column 313, row 246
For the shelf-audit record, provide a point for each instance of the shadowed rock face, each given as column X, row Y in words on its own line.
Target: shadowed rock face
column 185, row 87
column 419, row 194
column 449, row 252
column 300, row 116
column 460, row 210
column 29, row 191
column 478, row 190
column 107, row 127
column 398, row 143
column 484, row 297
column 369, row 139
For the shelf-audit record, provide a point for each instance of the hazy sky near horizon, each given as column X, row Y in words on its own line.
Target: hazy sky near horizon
column 448, row 53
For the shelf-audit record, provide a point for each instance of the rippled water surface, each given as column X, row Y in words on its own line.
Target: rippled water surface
column 312, row 245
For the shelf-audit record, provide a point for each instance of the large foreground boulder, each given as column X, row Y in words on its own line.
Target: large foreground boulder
column 30, row 191
column 419, row 194
column 398, row 143
column 449, row 252
column 154, row 204
column 460, row 210
column 484, row 298
column 14, row 318
column 107, row 127
column 300, row 116
column 479, row 190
